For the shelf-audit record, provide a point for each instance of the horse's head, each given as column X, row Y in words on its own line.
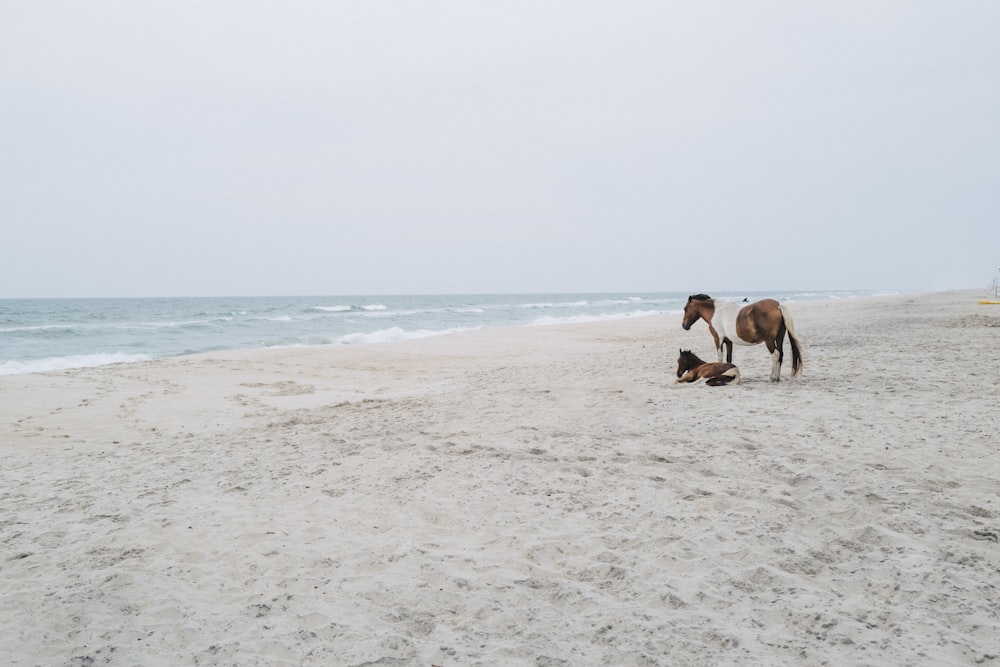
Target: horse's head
column 698, row 306
column 686, row 361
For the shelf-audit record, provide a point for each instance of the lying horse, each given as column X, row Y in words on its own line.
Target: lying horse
column 691, row 369
column 764, row 321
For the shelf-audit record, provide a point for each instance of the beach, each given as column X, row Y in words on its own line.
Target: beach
column 520, row 496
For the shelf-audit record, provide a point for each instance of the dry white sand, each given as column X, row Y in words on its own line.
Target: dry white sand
column 531, row 496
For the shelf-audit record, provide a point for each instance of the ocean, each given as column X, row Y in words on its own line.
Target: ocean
column 38, row 335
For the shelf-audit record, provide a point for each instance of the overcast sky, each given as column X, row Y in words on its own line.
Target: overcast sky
column 264, row 148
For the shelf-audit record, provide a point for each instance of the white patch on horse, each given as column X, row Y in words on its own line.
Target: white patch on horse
column 725, row 322
column 775, row 366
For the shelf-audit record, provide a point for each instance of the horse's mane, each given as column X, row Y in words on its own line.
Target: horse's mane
column 695, row 357
column 700, row 297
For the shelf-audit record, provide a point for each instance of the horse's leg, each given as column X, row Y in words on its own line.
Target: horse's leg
column 689, row 376
column 718, row 341
column 721, row 380
column 779, row 344
column 729, row 350
column 775, row 360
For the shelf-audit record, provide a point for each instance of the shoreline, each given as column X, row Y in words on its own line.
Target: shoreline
column 38, row 339
column 528, row 495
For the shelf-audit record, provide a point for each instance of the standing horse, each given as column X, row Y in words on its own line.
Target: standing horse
column 764, row 321
column 690, row 368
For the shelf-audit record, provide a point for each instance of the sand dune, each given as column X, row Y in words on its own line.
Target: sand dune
column 531, row 496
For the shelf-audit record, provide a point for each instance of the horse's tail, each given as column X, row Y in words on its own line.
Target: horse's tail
column 793, row 339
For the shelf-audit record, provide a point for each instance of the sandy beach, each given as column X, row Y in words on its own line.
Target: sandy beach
column 527, row 496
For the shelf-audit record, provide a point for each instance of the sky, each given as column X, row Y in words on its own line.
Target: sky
column 181, row 148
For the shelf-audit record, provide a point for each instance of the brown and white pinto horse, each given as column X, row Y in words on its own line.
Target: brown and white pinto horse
column 764, row 321
column 690, row 368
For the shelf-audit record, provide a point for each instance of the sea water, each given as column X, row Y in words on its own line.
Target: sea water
column 39, row 335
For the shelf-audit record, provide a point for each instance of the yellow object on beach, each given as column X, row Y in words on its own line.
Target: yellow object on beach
column 988, row 301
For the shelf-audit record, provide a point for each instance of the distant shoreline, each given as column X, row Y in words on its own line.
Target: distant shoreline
column 47, row 335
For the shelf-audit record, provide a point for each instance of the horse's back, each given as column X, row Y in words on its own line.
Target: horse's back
column 762, row 310
column 715, row 368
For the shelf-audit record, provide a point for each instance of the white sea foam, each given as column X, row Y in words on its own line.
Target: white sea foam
column 374, row 307
column 581, row 318
column 393, row 334
column 40, row 327
column 64, row 363
column 170, row 324
column 552, row 304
